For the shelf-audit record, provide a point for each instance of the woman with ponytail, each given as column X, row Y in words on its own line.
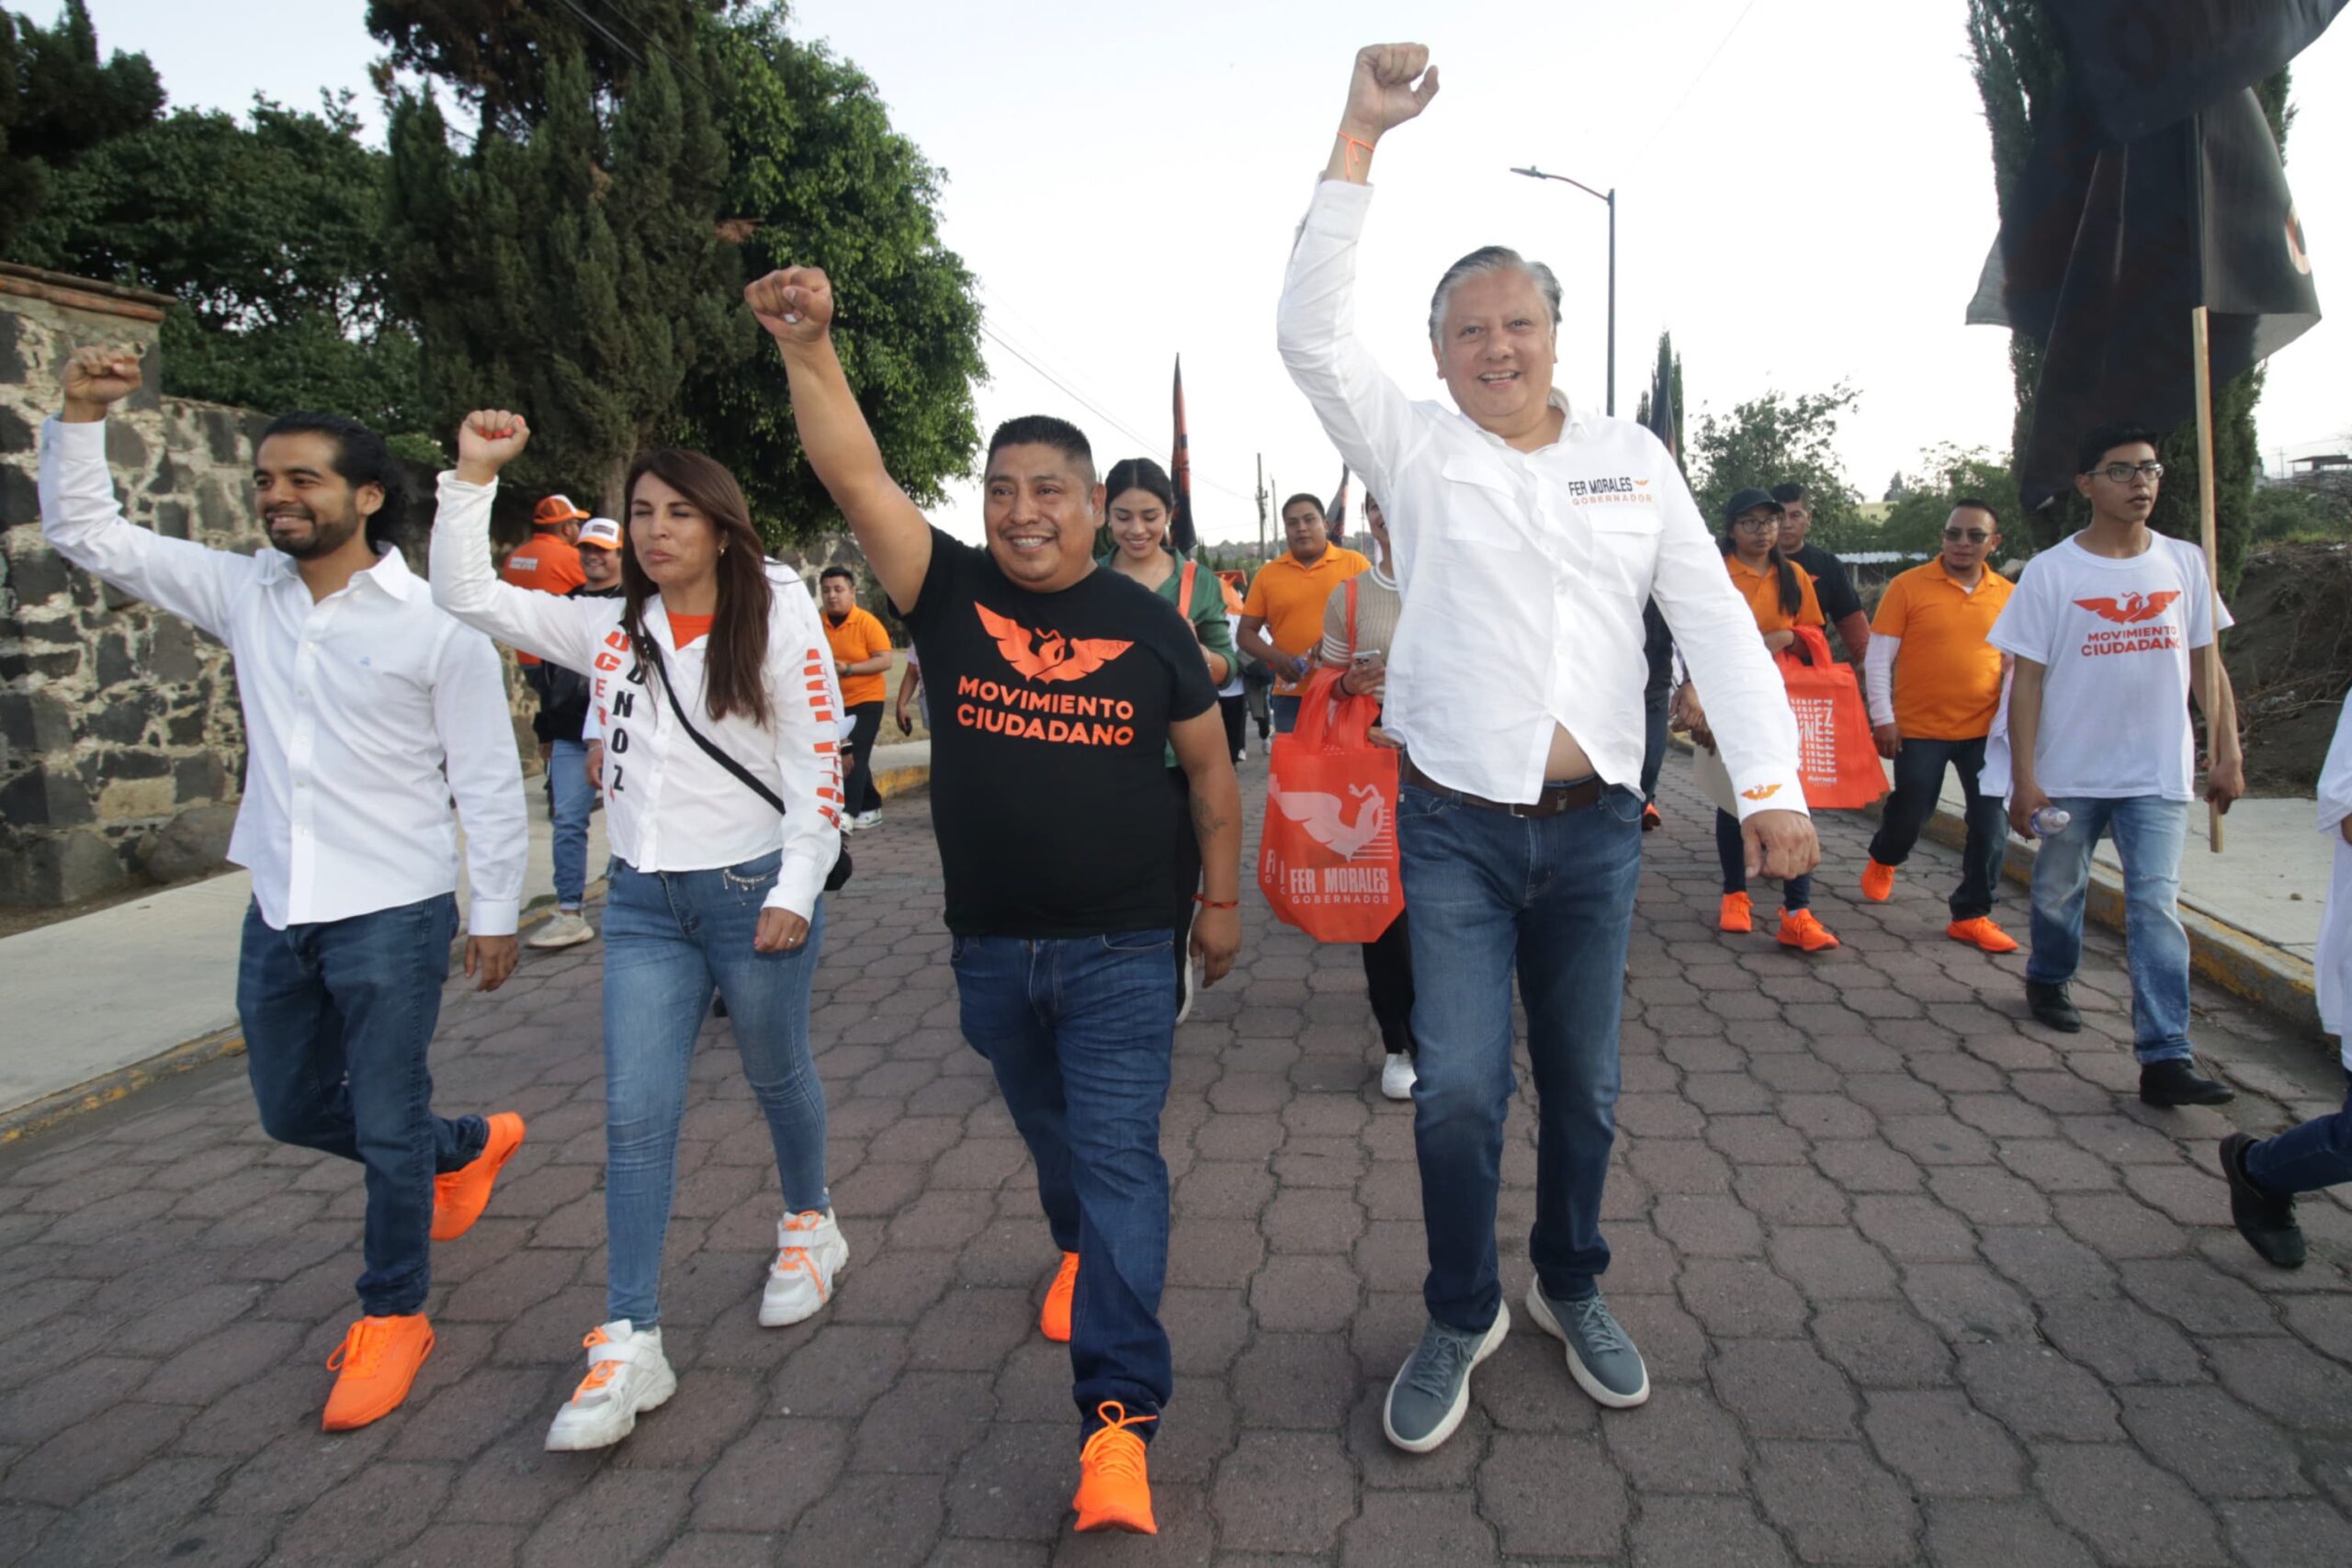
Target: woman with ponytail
column 720, row 711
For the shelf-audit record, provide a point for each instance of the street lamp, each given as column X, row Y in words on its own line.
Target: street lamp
column 1532, row 172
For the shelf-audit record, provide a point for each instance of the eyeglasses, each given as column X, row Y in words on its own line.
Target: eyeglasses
column 1973, row 535
column 1756, row 525
column 2121, row 472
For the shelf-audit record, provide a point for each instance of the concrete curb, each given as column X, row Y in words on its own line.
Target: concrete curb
column 2240, row 962
column 40, row 1115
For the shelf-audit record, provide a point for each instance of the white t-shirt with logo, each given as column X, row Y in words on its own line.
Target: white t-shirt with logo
column 2114, row 638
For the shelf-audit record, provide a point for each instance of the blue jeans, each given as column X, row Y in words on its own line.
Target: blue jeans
column 1918, row 783
column 337, row 1016
column 1079, row 1032
column 2148, row 833
column 1730, row 852
column 670, row 938
column 1553, row 899
column 2304, row 1159
column 574, row 798
column 1654, row 727
column 1285, row 711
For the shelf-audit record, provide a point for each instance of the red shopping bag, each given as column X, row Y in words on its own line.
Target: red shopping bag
column 1326, row 861
column 1838, row 759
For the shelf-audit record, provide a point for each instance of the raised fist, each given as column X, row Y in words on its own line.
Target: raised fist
column 1393, row 82
column 99, row 376
column 488, row 440
column 795, row 303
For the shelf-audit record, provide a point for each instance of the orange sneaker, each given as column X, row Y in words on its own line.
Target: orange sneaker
column 459, row 1196
column 376, row 1362
column 1982, row 932
column 1113, row 1490
column 1878, row 883
column 1651, row 821
column 1054, row 1321
column 1739, row 914
column 1799, row 928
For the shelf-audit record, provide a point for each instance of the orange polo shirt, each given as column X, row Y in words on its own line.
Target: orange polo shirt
column 547, row 562
column 1290, row 598
column 860, row 636
column 1947, row 676
column 1762, row 592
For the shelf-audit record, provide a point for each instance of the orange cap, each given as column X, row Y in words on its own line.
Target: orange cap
column 555, row 511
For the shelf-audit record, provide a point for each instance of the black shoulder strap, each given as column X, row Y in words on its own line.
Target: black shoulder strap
column 650, row 653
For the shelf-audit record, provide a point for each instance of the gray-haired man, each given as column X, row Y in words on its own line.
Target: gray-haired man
column 1527, row 537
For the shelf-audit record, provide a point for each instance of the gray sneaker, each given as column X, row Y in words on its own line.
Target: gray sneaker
column 1431, row 1391
column 1600, row 1357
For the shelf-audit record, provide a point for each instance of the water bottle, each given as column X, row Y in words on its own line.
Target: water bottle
column 2048, row 823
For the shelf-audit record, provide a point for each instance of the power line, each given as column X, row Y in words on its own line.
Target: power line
column 1721, row 45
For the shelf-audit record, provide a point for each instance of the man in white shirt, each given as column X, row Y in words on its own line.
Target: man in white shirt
column 366, row 710
column 2110, row 632
column 1527, row 537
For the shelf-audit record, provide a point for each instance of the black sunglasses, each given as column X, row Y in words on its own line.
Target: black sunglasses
column 1973, row 535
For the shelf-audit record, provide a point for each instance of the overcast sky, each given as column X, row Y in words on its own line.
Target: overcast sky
column 1805, row 196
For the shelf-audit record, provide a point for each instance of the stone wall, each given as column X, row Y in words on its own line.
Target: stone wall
column 121, row 744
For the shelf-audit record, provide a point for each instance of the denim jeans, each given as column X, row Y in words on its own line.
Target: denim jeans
column 1285, row 714
column 574, row 797
column 1654, row 717
column 2148, row 833
column 337, row 1016
column 1919, row 782
column 1553, row 899
column 1731, row 852
column 1079, row 1032
column 2304, row 1159
column 670, row 938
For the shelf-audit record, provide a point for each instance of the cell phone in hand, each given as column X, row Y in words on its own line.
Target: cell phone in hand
column 1368, row 656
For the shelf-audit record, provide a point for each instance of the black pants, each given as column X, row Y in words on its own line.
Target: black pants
column 1186, row 866
column 1236, row 710
column 1918, row 780
column 1653, row 743
column 859, row 790
column 1388, row 977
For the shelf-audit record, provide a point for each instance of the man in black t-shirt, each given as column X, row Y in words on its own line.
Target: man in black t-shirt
column 1054, row 687
column 1840, row 605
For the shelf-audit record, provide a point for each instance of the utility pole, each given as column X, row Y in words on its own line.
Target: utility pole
column 1261, row 506
column 1532, row 172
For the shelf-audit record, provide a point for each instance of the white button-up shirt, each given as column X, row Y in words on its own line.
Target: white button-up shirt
column 671, row 807
column 365, row 711
column 1524, row 573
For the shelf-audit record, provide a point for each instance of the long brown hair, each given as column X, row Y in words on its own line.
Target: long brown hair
column 735, row 669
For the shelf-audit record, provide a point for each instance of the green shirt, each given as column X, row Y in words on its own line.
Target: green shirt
column 1206, row 613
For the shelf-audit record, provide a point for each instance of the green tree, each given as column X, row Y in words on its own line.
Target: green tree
column 572, row 269
column 1669, row 371
column 2020, row 73
column 497, row 56
column 824, row 180
column 1778, row 438
column 268, row 233
column 57, row 100
column 1949, row 474
column 2296, row 512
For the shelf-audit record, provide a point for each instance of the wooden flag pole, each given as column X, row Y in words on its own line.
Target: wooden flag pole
column 2209, row 695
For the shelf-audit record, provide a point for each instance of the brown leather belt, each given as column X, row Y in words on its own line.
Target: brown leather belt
column 1556, row 799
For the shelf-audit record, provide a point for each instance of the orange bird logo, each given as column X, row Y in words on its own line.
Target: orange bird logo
column 2129, row 610
column 1762, row 792
column 1048, row 655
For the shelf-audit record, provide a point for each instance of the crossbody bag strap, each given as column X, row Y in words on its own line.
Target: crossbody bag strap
column 662, row 673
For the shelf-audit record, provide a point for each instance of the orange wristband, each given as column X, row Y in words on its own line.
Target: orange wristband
column 1204, row 899
column 1356, row 145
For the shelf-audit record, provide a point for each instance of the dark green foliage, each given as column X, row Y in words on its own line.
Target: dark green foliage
column 268, row 233
column 1669, row 366
column 1949, row 474
column 57, row 100
column 2019, row 73
column 814, row 165
column 497, row 55
column 1780, row 438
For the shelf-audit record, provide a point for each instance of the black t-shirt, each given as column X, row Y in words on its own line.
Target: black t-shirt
column 1048, row 713
column 1830, row 583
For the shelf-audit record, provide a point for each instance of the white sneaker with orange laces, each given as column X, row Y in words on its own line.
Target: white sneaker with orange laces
column 810, row 1253
column 627, row 1376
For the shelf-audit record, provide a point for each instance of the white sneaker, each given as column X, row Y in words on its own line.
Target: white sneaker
column 862, row 820
column 565, row 930
column 810, row 1252
column 627, row 1376
column 1398, row 1077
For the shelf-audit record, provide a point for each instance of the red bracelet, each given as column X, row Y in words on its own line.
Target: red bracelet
column 1203, row 898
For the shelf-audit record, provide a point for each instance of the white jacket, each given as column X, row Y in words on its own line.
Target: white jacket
column 672, row 807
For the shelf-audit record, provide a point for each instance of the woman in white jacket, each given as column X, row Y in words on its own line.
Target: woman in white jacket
column 716, row 699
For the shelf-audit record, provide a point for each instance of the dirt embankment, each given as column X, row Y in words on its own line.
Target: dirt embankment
column 2289, row 658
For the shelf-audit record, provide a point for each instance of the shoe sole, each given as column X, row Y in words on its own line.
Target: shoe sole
column 1400, row 1096
column 1972, row 941
column 831, row 1290
column 542, row 942
column 1541, row 1311
column 2166, row 1102
column 603, row 1438
column 1452, row 1419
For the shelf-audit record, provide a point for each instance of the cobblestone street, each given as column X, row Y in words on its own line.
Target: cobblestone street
column 1917, row 1280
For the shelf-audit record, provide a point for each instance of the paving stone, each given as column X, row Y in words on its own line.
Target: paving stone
column 1410, row 1530
column 889, row 1522
column 2213, row 1442
column 2285, row 1380
column 1284, row 1492
column 2130, row 1511
column 1836, row 1502
column 1783, row 1388
column 1681, row 1440
column 2288, row 1535
column 1725, row 1532
column 2000, row 1534
column 1944, row 1446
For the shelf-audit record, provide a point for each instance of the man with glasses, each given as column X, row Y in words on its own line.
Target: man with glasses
column 1935, row 686
column 2111, row 631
